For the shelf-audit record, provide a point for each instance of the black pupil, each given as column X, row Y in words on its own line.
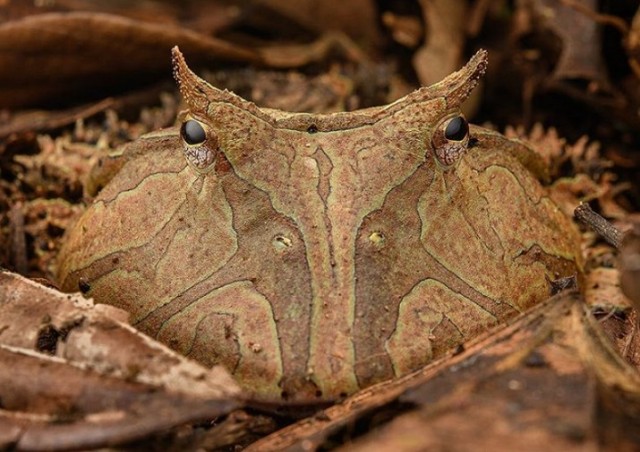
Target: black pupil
column 457, row 129
column 193, row 132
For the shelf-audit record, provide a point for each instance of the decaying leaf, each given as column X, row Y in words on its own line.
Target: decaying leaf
column 74, row 375
column 591, row 177
column 320, row 16
column 78, row 377
column 44, row 120
column 581, row 54
column 577, row 37
column 70, row 53
column 75, row 54
column 602, row 289
column 444, row 40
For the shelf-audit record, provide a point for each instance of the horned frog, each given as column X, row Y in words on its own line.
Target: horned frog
column 316, row 254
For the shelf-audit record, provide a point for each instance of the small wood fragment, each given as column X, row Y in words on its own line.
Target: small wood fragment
column 587, row 216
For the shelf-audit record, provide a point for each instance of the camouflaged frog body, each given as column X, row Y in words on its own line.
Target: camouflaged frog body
column 314, row 255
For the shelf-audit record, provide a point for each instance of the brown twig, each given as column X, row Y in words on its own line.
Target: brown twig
column 585, row 215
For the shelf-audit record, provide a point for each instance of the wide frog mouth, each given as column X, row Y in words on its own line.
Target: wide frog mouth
column 290, row 409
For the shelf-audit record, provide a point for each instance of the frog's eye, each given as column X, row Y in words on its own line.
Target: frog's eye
column 201, row 144
column 457, row 129
column 450, row 139
column 192, row 132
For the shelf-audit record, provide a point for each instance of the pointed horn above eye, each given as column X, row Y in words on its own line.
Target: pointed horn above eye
column 194, row 90
column 199, row 95
column 459, row 85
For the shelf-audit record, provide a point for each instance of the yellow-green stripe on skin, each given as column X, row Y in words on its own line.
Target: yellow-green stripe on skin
column 314, row 255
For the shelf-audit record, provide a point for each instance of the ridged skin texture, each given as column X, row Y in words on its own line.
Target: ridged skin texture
column 319, row 254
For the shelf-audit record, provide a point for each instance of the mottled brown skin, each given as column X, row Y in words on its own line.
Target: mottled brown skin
column 319, row 254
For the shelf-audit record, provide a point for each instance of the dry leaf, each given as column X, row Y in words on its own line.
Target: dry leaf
column 46, row 57
column 322, row 16
column 73, row 375
column 444, row 41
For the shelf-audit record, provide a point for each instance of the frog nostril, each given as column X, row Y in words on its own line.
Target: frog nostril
column 377, row 239
column 281, row 242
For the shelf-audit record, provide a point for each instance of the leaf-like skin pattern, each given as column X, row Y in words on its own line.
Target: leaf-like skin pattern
column 320, row 254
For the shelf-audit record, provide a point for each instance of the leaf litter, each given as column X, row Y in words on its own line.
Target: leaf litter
column 50, row 137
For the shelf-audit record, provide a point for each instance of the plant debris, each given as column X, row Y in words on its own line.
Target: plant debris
column 80, row 78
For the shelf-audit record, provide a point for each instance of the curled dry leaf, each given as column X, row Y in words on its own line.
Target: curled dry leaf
column 548, row 380
column 444, row 40
column 56, row 58
column 42, row 120
column 592, row 177
column 72, row 328
column 297, row 55
column 322, row 15
column 75, row 375
column 46, row 57
column 50, row 405
column 577, row 37
column 602, row 289
column 581, row 55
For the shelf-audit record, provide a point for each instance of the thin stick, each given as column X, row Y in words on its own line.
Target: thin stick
column 585, row 215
